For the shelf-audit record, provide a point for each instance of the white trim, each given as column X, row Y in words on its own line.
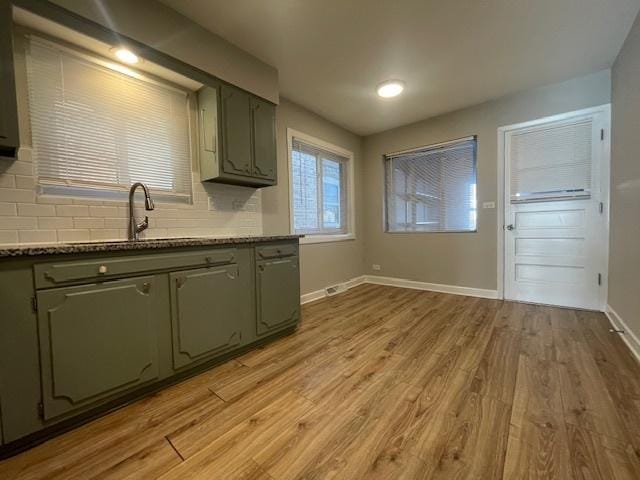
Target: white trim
column 351, row 197
column 310, row 239
column 432, row 287
column 628, row 337
column 402, row 283
column 604, row 181
column 322, row 293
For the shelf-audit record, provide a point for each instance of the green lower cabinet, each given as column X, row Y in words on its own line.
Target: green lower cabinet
column 95, row 341
column 278, row 294
column 210, row 309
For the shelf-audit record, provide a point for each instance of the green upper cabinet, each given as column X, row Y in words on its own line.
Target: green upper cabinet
column 95, row 341
column 8, row 109
column 264, row 139
column 245, row 125
column 236, row 134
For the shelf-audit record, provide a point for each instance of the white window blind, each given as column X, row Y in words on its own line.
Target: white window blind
column 319, row 190
column 551, row 162
column 432, row 189
column 97, row 130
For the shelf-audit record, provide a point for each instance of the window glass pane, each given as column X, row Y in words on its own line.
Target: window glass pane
column 432, row 189
column 319, row 190
column 331, row 194
column 305, row 191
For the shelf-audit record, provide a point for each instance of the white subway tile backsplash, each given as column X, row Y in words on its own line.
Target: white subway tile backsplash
column 8, row 209
column 18, row 223
column 72, row 210
column 37, row 236
column 73, row 236
column 8, row 237
column 105, row 234
column 55, row 223
column 7, row 181
column 36, row 210
column 16, row 195
column 16, row 167
column 88, row 222
column 25, row 182
column 28, row 217
column 103, row 211
column 117, row 223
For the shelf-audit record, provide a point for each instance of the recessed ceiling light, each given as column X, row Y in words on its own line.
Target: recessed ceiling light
column 126, row 56
column 390, row 88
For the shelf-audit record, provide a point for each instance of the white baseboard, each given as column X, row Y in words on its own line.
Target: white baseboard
column 318, row 294
column 432, row 287
column 399, row 282
column 632, row 341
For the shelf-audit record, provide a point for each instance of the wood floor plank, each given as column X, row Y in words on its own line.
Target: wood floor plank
column 383, row 383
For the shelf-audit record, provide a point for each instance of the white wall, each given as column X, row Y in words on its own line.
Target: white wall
column 624, row 261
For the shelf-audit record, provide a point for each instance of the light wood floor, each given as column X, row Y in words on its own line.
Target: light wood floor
column 383, row 383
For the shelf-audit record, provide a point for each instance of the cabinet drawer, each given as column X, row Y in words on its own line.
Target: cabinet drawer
column 53, row 274
column 276, row 251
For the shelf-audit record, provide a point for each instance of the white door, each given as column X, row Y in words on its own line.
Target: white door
column 556, row 210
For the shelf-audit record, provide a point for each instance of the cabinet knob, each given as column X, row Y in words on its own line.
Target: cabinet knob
column 102, row 269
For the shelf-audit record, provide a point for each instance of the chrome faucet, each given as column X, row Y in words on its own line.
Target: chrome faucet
column 134, row 227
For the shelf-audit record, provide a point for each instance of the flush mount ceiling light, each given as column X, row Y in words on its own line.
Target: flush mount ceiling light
column 125, row 55
column 390, row 88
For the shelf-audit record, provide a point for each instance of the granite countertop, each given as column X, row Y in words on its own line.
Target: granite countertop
column 122, row 245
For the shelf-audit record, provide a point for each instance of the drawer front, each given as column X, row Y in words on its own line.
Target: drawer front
column 54, row 274
column 276, row 251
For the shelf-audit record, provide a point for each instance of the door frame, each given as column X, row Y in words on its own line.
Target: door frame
column 605, row 174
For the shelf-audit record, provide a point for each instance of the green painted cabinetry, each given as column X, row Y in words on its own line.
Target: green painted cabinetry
column 245, row 125
column 95, row 340
column 82, row 333
column 210, row 312
column 263, row 118
column 8, row 109
column 277, row 293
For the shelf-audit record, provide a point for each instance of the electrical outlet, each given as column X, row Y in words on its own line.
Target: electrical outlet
column 375, row 267
column 488, row 204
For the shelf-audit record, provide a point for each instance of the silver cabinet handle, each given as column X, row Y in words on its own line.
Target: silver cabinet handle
column 102, row 269
column 510, row 227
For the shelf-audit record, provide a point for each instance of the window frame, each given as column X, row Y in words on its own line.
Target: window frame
column 46, row 187
column 350, row 233
column 385, row 204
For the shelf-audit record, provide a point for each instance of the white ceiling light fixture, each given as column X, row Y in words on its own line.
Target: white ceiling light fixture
column 125, row 55
column 390, row 88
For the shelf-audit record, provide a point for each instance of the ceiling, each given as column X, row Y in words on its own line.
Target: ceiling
column 451, row 54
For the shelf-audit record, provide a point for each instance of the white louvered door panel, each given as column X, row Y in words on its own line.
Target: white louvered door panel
column 555, row 237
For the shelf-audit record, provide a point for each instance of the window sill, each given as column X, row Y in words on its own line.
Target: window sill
column 310, row 239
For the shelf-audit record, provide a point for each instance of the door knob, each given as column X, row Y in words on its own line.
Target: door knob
column 510, row 227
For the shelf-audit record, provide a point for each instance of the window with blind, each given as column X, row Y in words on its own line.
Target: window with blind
column 319, row 189
column 432, row 189
column 551, row 162
column 97, row 130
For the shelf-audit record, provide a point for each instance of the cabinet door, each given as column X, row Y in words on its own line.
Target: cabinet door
column 278, row 294
column 8, row 109
column 264, row 139
column 207, row 306
column 95, row 340
column 236, row 131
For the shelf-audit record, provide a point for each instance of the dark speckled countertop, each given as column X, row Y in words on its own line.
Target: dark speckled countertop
column 122, row 245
